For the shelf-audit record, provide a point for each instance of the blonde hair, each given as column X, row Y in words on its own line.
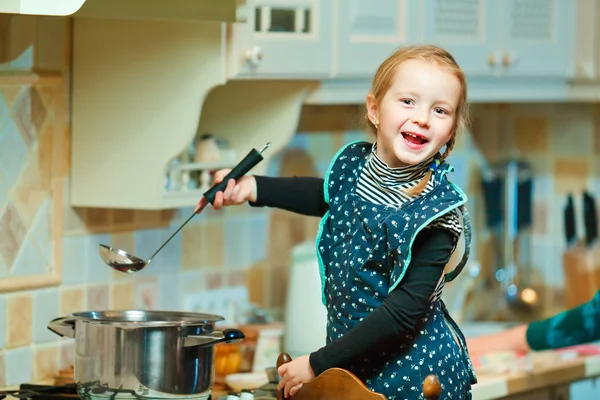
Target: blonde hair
column 382, row 81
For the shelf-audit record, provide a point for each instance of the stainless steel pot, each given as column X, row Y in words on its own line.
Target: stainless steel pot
column 144, row 354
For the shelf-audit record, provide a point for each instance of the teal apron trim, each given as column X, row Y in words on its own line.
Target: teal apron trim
column 321, row 264
column 427, row 222
column 333, row 160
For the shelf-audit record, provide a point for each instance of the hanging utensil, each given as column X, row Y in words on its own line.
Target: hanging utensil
column 520, row 297
column 569, row 222
column 590, row 216
column 128, row 263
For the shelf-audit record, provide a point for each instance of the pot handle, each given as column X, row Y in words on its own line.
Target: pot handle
column 63, row 326
column 228, row 336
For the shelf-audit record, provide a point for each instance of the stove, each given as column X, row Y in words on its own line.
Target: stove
column 69, row 391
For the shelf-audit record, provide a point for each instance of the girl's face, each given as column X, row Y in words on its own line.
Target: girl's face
column 416, row 116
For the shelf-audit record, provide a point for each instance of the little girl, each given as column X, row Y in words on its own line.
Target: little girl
column 390, row 223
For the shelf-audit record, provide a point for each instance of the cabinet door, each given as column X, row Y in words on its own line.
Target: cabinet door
column 369, row 31
column 284, row 39
column 538, row 37
column 467, row 29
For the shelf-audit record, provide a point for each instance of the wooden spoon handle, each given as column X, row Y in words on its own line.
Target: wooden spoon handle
column 283, row 358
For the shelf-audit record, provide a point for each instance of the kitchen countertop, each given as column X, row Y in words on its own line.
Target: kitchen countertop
column 549, row 373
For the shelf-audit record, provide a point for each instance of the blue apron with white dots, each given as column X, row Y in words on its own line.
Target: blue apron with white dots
column 364, row 250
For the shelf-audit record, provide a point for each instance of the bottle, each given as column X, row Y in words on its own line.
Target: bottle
column 207, row 150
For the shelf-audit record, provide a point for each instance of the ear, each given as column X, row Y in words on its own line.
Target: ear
column 372, row 109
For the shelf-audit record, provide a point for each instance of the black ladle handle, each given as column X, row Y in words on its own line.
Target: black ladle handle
column 251, row 159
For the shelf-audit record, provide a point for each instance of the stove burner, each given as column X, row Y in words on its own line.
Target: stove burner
column 42, row 392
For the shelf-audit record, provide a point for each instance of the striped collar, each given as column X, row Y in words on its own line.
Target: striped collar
column 387, row 176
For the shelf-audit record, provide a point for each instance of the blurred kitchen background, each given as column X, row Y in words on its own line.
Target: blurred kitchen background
column 110, row 130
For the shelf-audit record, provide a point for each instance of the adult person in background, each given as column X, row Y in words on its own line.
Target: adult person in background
column 578, row 325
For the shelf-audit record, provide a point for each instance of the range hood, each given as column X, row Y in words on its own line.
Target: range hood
column 142, row 91
column 200, row 10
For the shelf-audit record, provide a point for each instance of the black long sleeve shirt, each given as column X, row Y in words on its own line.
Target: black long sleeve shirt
column 401, row 310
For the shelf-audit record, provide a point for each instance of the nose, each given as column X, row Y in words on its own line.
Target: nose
column 420, row 117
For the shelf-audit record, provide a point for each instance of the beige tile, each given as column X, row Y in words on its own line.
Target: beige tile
column 30, row 114
column 19, row 317
column 214, row 279
column 279, row 290
column 22, row 33
column 98, row 298
column 11, row 94
column 145, row 293
column 45, row 156
column 72, row 299
column 531, row 134
column 2, row 366
column 192, row 251
column 124, row 241
column 12, row 234
column 48, row 95
column 540, row 217
column 73, row 219
column 66, row 357
column 62, row 150
column 256, row 279
column 45, row 363
column 571, row 174
column 236, row 278
column 5, row 39
column 297, row 162
column 123, row 296
column 280, row 244
column 597, row 131
column 147, row 218
column 573, row 132
column 166, row 217
column 29, row 192
column 122, row 218
column 98, row 219
column 331, row 118
column 51, row 44
column 212, row 243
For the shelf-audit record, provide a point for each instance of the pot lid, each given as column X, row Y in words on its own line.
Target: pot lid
column 147, row 318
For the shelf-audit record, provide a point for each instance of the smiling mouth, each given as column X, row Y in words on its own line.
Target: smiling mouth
column 414, row 138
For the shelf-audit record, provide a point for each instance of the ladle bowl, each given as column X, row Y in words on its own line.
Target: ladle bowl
column 121, row 260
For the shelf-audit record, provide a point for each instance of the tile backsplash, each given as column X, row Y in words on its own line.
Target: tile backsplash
column 49, row 263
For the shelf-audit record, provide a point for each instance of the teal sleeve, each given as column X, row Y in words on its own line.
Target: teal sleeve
column 578, row 325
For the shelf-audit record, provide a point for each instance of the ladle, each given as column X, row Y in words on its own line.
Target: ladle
column 521, row 298
column 128, row 263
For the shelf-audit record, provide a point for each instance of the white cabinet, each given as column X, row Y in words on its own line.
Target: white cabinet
column 467, row 29
column 537, row 37
column 508, row 38
column 121, row 154
column 41, row 7
column 282, row 39
column 369, row 31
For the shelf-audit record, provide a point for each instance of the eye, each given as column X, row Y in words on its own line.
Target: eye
column 440, row 111
column 407, row 102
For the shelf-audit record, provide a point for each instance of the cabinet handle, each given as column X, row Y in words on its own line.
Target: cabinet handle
column 491, row 59
column 254, row 56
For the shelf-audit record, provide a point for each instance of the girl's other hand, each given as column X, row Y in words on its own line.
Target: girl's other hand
column 235, row 193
